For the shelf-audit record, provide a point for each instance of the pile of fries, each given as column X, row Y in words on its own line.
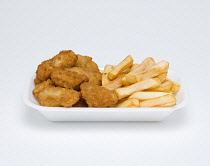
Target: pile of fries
column 140, row 85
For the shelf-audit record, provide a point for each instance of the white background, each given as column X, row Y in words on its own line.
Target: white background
column 176, row 31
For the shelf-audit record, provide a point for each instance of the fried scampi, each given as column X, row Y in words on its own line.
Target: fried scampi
column 98, row 96
column 64, row 59
column 86, row 63
column 68, row 79
column 94, row 77
column 58, row 80
column 58, row 96
column 40, row 87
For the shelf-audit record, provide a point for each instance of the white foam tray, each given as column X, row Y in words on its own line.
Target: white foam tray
column 104, row 114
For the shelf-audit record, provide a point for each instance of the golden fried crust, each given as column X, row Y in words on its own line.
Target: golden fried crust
column 86, row 63
column 66, row 58
column 40, row 87
column 97, row 96
column 80, row 103
column 94, row 77
column 44, row 70
column 57, row 96
column 68, row 79
column 37, row 81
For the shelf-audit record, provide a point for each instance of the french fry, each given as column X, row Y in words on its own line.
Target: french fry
column 154, row 71
column 105, row 79
column 145, row 65
column 139, row 86
column 119, row 101
column 116, row 83
column 134, row 66
column 159, row 101
column 168, row 104
column 175, row 87
column 164, row 87
column 126, row 63
column 125, row 82
column 147, row 95
column 138, row 68
column 129, row 103
column 162, row 76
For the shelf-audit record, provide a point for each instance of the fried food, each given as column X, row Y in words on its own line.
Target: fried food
column 94, row 77
column 40, row 87
column 105, row 79
column 165, row 86
column 57, row 97
column 139, row 86
column 162, row 101
column 97, row 96
column 44, row 70
column 153, row 71
column 175, row 87
column 162, row 77
column 147, row 95
column 126, row 63
column 145, row 65
column 73, row 80
column 115, row 83
column 67, row 79
column 80, row 103
column 66, row 58
column 86, row 63
column 37, row 81
column 129, row 103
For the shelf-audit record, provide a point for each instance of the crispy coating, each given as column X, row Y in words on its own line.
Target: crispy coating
column 80, row 103
column 66, row 58
column 44, row 70
column 94, row 77
column 67, row 79
column 57, row 97
column 40, row 87
column 97, row 96
column 37, row 81
column 86, row 63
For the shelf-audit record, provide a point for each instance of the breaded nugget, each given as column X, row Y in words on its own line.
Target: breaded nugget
column 86, row 63
column 94, row 77
column 44, row 70
column 66, row 58
column 40, row 87
column 57, row 96
column 80, row 103
column 97, row 96
column 37, row 81
column 67, row 79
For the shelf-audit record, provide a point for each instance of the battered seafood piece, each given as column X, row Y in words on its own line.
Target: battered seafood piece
column 86, row 63
column 66, row 58
column 37, row 81
column 44, row 70
column 94, row 77
column 97, row 96
column 40, row 87
column 68, row 79
column 57, row 97
column 80, row 103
